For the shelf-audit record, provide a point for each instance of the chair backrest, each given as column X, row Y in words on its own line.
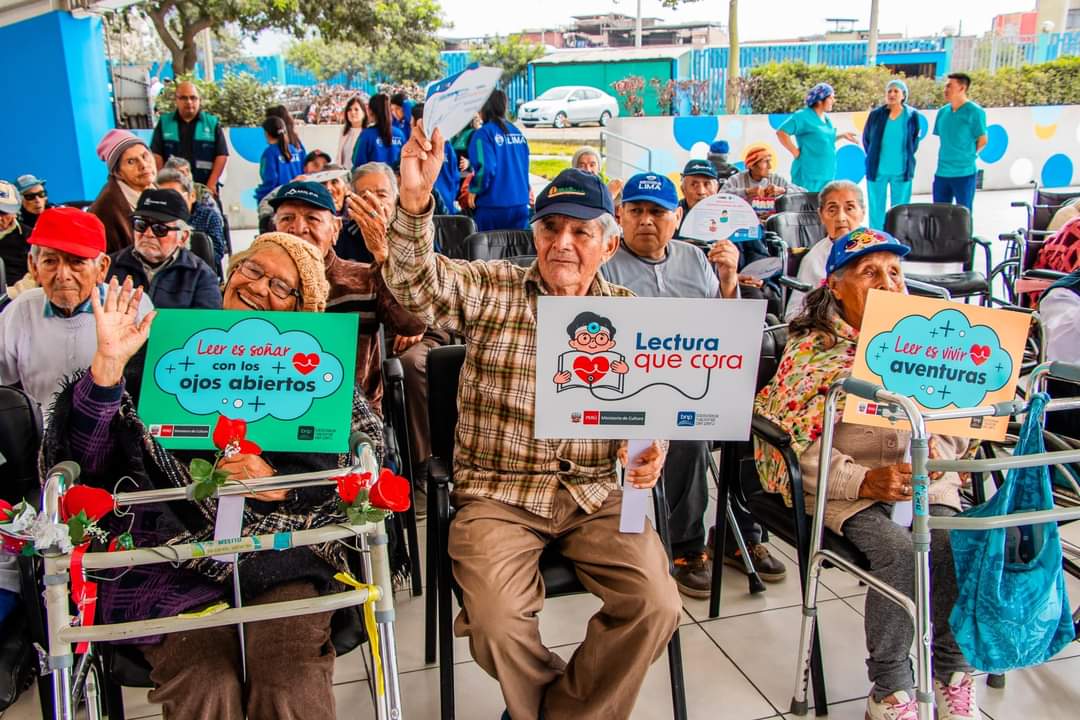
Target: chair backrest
column 20, row 439
column 443, row 370
column 773, row 342
column 523, row 260
column 797, row 202
column 935, row 232
column 201, row 246
column 797, row 229
column 450, row 234
column 499, row 244
column 1048, row 202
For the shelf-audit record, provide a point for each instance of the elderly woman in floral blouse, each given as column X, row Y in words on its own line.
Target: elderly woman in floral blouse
column 867, row 475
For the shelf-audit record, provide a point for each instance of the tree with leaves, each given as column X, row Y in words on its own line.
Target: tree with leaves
column 371, row 24
column 513, row 54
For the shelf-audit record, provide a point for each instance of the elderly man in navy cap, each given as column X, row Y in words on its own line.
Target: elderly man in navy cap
column 516, row 494
column 651, row 264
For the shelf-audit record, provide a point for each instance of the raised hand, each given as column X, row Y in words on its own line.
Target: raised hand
column 119, row 334
column 421, row 161
column 373, row 219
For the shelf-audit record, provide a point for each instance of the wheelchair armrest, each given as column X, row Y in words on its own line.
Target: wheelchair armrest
column 770, row 432
column 981, row 241
column 1042, row 274
column 439, row 472
column 392, row 369
column 1010, row 236
column 793, row 284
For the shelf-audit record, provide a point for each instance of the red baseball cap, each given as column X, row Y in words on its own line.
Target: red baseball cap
column 70, row 230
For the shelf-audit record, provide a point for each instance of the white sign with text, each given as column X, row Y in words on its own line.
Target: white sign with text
column 452, row 102
column 646, row 368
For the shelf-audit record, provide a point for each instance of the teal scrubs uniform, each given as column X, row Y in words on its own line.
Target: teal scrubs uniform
column 816, row 138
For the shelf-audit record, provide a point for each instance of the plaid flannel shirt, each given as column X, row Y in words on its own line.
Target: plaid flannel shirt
column 493, row 305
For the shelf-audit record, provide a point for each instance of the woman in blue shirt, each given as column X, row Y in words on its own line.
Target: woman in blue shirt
column 382, row 141
column 890, row 138
column 499, row 191
column 280, row 161
column 815, row 154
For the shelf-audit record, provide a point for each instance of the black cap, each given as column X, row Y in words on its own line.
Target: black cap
column 575, row 194
column 317, row 153
column 700, row 167
column 310, row 193
column 162, row 205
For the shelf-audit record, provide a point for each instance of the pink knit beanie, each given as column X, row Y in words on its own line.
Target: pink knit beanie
column 113, row 145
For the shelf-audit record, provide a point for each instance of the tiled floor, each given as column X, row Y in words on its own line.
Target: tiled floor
column 739, row 666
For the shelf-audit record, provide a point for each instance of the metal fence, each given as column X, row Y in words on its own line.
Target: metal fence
column 993, row 52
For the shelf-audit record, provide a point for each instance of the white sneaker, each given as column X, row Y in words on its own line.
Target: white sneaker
column 898, row 706
column 956, row 701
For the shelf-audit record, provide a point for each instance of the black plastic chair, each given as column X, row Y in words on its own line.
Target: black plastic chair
column 792, row 524
column 797, row 202
column 396, row 424
column 203, row 248
column 450, row 234
column 497, row 245
column 796, row 229
column 559, row 577
column 941, row 233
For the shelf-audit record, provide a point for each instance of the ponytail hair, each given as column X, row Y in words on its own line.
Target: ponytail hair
column 380, row 109
column 275, row 128
column 280, row 111
column 819, row 312
column 494, row 109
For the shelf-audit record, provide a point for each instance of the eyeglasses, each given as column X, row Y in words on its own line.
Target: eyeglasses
column 280, row 288
column 160, row 230
column 36, row 195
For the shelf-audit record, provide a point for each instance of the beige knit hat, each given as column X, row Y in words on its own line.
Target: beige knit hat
column 314, row 288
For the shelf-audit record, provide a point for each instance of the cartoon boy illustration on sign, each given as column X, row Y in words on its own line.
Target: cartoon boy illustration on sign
column 590, row 362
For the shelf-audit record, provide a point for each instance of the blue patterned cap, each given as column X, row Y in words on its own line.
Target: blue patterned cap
column 818, row 93
column 859, row 242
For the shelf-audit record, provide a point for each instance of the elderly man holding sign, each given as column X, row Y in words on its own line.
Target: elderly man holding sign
column 514, row 493
column 868, row 477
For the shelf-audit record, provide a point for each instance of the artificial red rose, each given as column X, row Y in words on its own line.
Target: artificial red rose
column 349, row 486
column 391, row 492
column 228, row 431
column 6, row 511
column 95, row 502
column 12, row 545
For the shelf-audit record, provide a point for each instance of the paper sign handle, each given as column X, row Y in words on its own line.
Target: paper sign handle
column 635, row 501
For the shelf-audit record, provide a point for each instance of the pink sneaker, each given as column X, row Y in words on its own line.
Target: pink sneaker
column 956, row 701
column 898, row 706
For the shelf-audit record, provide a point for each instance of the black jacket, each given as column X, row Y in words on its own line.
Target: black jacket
column 187, row 282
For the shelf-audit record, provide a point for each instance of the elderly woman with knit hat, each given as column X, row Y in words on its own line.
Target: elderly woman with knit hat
column 197, row 674
column 131, row 170
column 890, row 138
column 758, row 184
column 868, row 474
column 811, row 128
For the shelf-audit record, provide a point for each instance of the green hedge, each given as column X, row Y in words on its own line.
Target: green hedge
column 782, row 87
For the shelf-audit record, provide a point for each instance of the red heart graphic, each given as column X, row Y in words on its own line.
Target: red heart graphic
column 979, row 353
column 590, row 370
column 305, row 363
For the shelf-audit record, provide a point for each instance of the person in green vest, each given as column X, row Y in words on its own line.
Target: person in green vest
column 194, row 135
column 815, row 153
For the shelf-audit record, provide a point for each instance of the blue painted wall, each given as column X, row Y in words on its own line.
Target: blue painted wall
column 56, row 61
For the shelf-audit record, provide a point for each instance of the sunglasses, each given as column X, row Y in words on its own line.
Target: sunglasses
column 281, row 289
column 159, row 229
column 35, row 195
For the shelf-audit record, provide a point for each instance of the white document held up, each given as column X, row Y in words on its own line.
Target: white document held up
column 635, row 502
column 452, row 102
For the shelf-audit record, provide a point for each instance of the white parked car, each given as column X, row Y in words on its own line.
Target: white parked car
column 568, row 105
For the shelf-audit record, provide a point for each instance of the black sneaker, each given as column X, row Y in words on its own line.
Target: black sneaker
column 693, row 575
column 768, row 568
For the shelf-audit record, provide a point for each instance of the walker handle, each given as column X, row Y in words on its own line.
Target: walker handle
column 862, row 388
column 1065, row 371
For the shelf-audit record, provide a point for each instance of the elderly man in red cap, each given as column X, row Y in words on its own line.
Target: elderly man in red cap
column 48, row 333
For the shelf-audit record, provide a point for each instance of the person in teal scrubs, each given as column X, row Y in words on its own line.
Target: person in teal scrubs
column 815, row 153
column 961, row 125
column 890, row 138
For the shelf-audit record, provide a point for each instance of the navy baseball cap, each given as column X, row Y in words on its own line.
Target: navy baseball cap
column 650, row 187
column 575, row 194
column 859, row 242
column 311, row 193
column 700, row 167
